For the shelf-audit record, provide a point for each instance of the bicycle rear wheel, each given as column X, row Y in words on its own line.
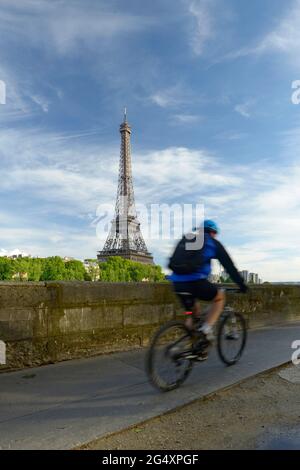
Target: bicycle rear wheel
column 166, row 364
column 231, row 338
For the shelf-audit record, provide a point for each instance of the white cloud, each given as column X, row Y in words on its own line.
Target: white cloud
column 42, row 102
column 49, row 173
column 284, row 38
column 52, row 169
column 175, row 172
column 170, row 97
column 50, row 240
column 55, row 30
column 186, row 118
column 257, row 204
column 232, row 136
column 14, row 252
column 16, row 107
column 258, row 207
column 65, row 25
column 244, row 109
column 267, row 218
column 44, row 224
column 203, row 28
column 163, row 100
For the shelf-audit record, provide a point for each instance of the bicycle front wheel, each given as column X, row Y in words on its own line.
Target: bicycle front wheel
column 231, row 338
column 167, row 364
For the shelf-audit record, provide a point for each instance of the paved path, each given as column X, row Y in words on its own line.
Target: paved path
column 70, row 403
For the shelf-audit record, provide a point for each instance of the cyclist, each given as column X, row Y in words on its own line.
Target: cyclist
column 198, row 285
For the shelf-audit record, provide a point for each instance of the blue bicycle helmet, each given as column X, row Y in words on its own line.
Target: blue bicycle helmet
column 211, row 226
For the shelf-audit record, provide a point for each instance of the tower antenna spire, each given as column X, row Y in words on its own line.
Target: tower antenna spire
column 125, row 114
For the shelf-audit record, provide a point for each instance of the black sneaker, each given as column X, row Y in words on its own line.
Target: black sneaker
column 196, row 356
column 203, row 356
column 202, row 344
column 191, row 356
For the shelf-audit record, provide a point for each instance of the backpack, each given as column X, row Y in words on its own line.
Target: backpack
column 186, row 261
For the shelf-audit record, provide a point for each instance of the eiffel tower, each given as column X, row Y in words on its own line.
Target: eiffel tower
column 125, row 238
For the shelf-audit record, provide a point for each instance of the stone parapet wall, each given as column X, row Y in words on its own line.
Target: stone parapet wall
column 48, row 322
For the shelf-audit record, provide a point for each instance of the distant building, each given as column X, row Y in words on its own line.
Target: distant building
column 20, row 277
column 92, row 268
column 14, row 254
column 245, row 275
column 250, row 278
column 253, row 278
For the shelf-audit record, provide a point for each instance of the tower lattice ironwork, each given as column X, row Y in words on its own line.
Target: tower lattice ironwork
column 125, row 238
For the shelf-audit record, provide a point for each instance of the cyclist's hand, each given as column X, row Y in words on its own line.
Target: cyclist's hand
column 244, row 289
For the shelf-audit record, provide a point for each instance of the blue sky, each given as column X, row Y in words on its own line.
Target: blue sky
column 207, row 85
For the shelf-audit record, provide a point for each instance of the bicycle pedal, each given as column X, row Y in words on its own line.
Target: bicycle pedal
column 232, row 336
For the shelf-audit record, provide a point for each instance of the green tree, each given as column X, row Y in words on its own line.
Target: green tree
column 117, row 269
column 36, row 268
column 75, row 271
column 54, row 269
column 226, row 280
column 20, row 268
column 6, row 269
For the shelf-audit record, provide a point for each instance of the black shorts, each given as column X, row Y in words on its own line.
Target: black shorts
column 199, row 290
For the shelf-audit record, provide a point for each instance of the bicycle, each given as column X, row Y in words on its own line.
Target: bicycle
column 173, row 347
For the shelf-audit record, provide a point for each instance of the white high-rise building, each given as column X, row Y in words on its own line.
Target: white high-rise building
column 251, row 278
column 245, row 276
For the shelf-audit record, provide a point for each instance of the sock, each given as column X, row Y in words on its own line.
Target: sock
column 206, row 329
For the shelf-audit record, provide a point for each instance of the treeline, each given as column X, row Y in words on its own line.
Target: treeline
column 56, row 269
column 118, row 269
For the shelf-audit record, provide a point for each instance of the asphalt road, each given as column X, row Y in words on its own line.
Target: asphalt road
column 67, row 404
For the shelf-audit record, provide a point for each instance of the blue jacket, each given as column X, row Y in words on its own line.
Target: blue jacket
column 212, row 249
